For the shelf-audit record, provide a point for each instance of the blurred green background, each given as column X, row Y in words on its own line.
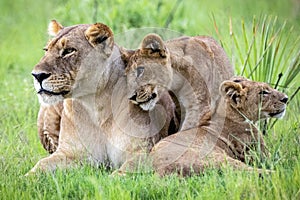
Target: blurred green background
column 261, row 38
column 23, row 24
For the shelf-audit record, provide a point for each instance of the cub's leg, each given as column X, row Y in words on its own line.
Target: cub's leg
column 196, row 106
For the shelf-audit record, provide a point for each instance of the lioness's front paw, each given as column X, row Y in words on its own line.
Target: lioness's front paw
column 30, row 173
column 34, row 170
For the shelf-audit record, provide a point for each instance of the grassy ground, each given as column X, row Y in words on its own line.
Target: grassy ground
column 22, row 36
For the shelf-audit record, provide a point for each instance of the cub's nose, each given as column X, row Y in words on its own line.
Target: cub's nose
column 284, row 99
column 40, row 76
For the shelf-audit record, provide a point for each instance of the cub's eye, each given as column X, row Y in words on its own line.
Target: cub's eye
column 68, row 51
column 45, row 49
column 264, row 92
column 139, row 71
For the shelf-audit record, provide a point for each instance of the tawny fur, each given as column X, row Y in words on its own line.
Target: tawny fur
column 83, row 69
column 191, row 68
column 228, row 137
column 48, row 123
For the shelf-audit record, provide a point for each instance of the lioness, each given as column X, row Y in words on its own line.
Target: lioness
column 228, row 136
column 191, row 68
column 82, row 67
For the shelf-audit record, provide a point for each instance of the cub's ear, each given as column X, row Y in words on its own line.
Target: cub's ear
column 231, row 90
column 126, row 55
column 99, row 34
column 54, row 28
column 238, row 79
column 153, row 45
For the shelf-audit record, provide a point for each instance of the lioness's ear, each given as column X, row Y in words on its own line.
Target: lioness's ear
column 126, row 54
column 231, row 90
column 99, row 34
column 152, row 44
column 54, row 28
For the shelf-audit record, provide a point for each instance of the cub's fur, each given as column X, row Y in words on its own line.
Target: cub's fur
column 228, row 136
column 191, row 68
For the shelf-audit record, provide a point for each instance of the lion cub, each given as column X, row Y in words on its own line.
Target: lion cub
column 191, row 68
column 228, row 136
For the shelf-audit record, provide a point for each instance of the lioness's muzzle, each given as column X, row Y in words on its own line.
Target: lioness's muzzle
column 40, row 76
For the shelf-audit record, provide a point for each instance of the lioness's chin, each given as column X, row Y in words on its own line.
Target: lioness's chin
column 46, row 99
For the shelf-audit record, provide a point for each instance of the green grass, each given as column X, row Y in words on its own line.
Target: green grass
column 23, row 34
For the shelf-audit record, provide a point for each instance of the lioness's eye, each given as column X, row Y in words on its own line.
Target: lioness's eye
column 67, row 51
column 139, row 71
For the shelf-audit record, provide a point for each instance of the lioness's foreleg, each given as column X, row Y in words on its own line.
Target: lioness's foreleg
column 49, row 122
column 70, row 147
column 56, row 160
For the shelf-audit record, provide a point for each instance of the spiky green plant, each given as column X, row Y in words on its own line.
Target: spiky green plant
column 265, row 52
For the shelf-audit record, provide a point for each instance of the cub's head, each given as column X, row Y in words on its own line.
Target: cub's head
column 254, row 100
column 148, row 71
column 73, row 59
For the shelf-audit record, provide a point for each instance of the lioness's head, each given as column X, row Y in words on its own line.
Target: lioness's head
column 73, row 59
column 148, row 71
column 254, row 100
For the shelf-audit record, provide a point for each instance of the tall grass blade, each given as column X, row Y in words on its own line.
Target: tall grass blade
column 248, row 56
column 278, row 79
column 293, row 70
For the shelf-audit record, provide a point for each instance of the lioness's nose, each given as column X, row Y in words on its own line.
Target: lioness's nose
column 284, row 99
column 40, row 76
